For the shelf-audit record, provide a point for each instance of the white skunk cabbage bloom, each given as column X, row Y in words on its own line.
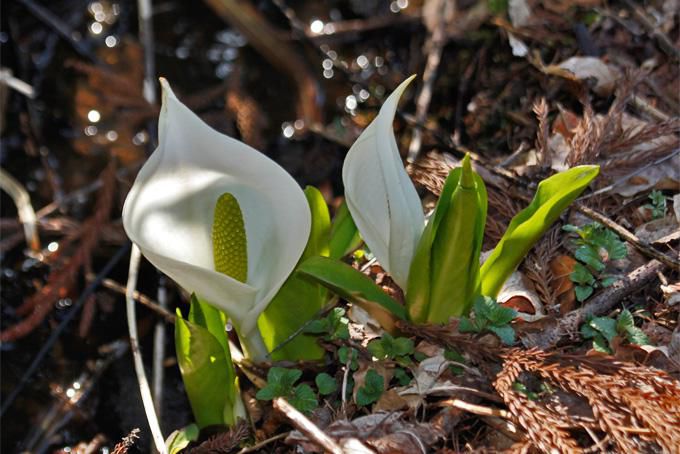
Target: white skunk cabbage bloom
column 170, row 209
column 380, row 195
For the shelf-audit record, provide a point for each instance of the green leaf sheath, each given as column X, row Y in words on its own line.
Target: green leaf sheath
column 420, row 272
column 205, row 371
column 456, row 249
column 299, row 300
column 444, row 273
column 230, row 249
column 344, row 233
column 212, row 319
column 552, row 197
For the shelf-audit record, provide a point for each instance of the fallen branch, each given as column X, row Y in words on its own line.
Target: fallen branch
column 307, row 427
column 600, row 304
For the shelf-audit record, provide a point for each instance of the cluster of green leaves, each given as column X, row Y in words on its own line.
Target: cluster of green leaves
column 602, row 330
column 492, row 317
column 397, row 349
column 657, row 204
column 374, row 386
column 334, row 326
column 595, row 247
column 281, row 383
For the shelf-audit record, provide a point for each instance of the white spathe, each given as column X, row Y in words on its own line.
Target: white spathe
column 169, row 214
column 380, row 195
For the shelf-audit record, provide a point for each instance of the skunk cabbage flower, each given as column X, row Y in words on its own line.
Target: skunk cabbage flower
column 438, row 266
column 170, row 213
column 380, row 195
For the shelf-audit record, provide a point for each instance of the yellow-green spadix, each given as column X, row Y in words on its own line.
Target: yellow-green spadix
column 171, row 208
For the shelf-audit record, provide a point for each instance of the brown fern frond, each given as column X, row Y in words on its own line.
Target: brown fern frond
column 223, row 442
column 543, row 132
column 61, row 280
column 430, row 171
column 537, row 266
column 543, row 427
column 631, row 404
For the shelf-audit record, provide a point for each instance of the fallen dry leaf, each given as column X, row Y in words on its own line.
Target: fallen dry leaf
column 561, row 267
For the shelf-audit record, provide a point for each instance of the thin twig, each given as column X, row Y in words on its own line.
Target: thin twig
column 157, row 371
column 263, row 443
column 147, row 400
column 6, row 78
column 168, row 316
column 307, row 427
column 476, row 409
column 25, row 210
column 433, row 46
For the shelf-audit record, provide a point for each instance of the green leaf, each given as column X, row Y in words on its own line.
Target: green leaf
column 230, row 249
column 581, row 275
column 505, row 333
column 600, row 344
column 444, row 273
column 588, row 255
column 497, row 7
column 587, row 332
column 624, row 321
column 483, row 308
column 209, row 317
column 553, row 196
column 181, row 438
column 465, row 325
column 348, row 354
column 390, row 347
column 501, row 315
column 607, row 281
column 325, row 384
column 605, row 326
column 209, row 378
column 283, row 377
column 658, row 205
column 456, row 248
column 298, row 300
column 636, row 336
column 355, row 287
column 344, row 233
column 338, row 324
column 403, row 378
column 377, row 349
column 280, row 383
column 582, row 292
column 304, row 399
column 373, row 388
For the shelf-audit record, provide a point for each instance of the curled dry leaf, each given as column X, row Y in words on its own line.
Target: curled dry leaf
column 583, row 68
column 518, row 293
column 661, row 230
column 561, row 267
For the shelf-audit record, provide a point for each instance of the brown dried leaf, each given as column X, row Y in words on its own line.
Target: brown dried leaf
column 561, row 267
